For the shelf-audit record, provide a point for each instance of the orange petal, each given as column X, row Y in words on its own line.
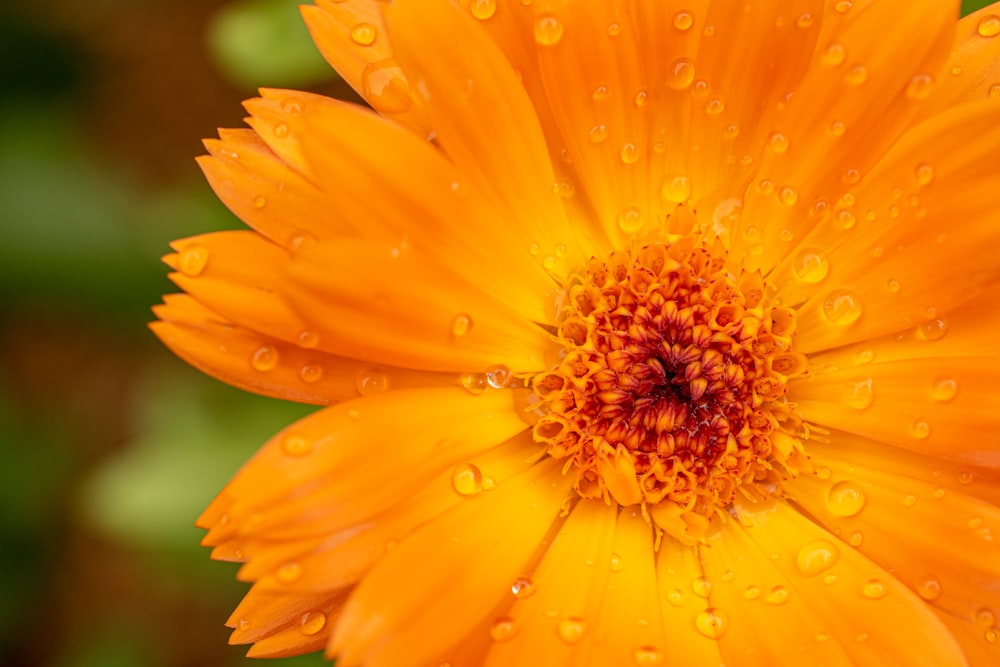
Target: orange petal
column 842, row 600
column 485, row 122
column 473, row 547
column 929, row 530
column 329, row 470
column 978, row 637
column 284, row 625
column 397, row 188
column 263, row 191
column 396, row 306
column 570, row 581
column 351, row 36
column 265, row 365
column 845, row 113
column 918, row 243
column 973, row 71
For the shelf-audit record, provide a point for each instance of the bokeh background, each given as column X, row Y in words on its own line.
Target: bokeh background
column 110, row 446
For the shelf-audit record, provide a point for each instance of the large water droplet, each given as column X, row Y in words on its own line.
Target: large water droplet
column 522, row 588
column 483, row 9
column 944, row 388
column 816, row 557
column 571, row 629
column 861, row 394
column 364, row 34
column 676, row 189
column 845, row 498
column 311, row 373
column 264, row 358
column 371, row 381
column 295, row 445
column 989, row 26
column 842, row 308
column 502, row 629
column 467, row 479
column 933, row 329
column 680, row 73
column 461, row 325
column 683, row 20
column 548, row 30
column 499, row 376
column 630, row 220
column 711, row 622
column 193, row 260
column 598, row 134
column 474, row 383
column 810, row 266
column 929, row 588
column 312, row 622
column 874, row 589
column 777, row 595
column 629, row 153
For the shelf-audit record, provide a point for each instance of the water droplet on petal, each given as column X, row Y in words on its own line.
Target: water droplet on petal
column 675, row 597
column 856, row 538
column 467, row 479
column 629, row 153
column 711, row 622
column 932, row 330
column 499, row 376
column 483, row 9
column 461, row 325
column 861, row 394
column 920, row 430
column 548, row 30
column 630, row 220
column 571, row 629
column 502, row 629
column 834, row 55
column 715, row 106
column 616, row 564
column 474, row 383
column 777, row 595
column 989, row 26
column 522, row 588
column 312, row 622
column 363, row 34
column 680, row 73
column 259, row 202
column 874, row 589
column 842, row 308
column 311, row 373
column 308, row 339
column 920, row 87
column 371, row 381
column 929, row 588
column 193, row 259
column 676, row 189
column 645, row 656
column 845, row 498
column 985, row 618
column 816, row 557
column 966, row 478
column 701, row 587
column 384, row 86
column 788, row 196
column 281, row 130
column 683, row 20
column 295, row 445
column 289, row 572
column 856, row 75
column 752, row 592
column 264, row 358
column 810, row 266
column 777, row 142
column 943, row 389
column 991, row 636
column 910, row 500
column 598, row 134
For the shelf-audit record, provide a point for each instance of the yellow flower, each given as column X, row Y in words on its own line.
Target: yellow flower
column 652, row 332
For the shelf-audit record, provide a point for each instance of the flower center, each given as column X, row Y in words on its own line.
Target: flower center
column 670, row 390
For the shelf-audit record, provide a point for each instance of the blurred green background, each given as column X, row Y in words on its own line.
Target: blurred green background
column 110, row 446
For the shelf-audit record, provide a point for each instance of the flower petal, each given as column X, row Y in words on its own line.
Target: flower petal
column 851, row 596
column 485, row 122
column 979, row 637
column 327, row 472
column 284, row 625
column 351, row 36
column 930, row 530
column 395, row 306
column 475, row 547
column 569, row 582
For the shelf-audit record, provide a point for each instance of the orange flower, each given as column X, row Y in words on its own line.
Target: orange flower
column 652, row 333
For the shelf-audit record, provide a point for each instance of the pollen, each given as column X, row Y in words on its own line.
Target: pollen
column 670, row 389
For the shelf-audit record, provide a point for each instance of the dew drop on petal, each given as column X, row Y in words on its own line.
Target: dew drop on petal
column 264, row 358
column 371, row 381
column 702, row 587
column 845, row 498
column 683, row 20
column 910, row 500
column 842, row 308
column 752, row 592
column 711, row 622
column 715, row 106
column 363, row 34
column 989, row 26
column 483, row 9
column 932, row 330
column 522, row 588
column 985, row 618
column 680, row 73
column 816, row 557
column 675, row 596
column 861, row 394
column 548, row 30
column 805, row 20
column 598, row 134
column 777, row 142
column 312, row 622
column 308, row 339
column 474, row 383
column 991, row 636
column 629, row 153
column 788, row 196
column 676, row 189
column 311, row 373
column 777, row 595
column 467, row 479
column 834, row 55
column 920, row 430
column 994, row 91
column 810, row 266
column 295, row 445
column 830, row 579
column 281, row 130
column 385, row 87
column 502, row 629
column 924, row 173
column 874, row 589
column 647, row 655
column 966, row 478
column 893, row 286
column 193, row 260
column 461, row 325
column 929, row 588
column 843, row 6
column 920, row 87
column 943, row 389
column 571, row 629
column 259, row 202
column 289, row 572
column 856, row 75
column 630, row 220
column 856, row 538
column 499, row 376
column 864, row 356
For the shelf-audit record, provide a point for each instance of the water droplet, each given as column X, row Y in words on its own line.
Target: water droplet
column 281, row 130
column 384, row 86
column 629, row 153
column 788, row 196
column 467, row 479
column 752, row 592
column 193, row 259
column 474, row 383
column 842, row 308
column 966, row 478
column 615, row 564
column 856, row 75
column 502, row 629
column 985, row 618
column 647, row 655
column 777, row 142
column 461, row 325
column 301, row 240
column 548, row 30
column 711, row 622
column 861, row 394
column 614, row 29
column 830, row 579
column 845, row 219
column 363, row 34
column 893, row 286
column 371, row 381
column 522, row 588
column 994, row 92
column 924, row 173
column 483, row 9
column 675, row 597
column 295, row 445
column 837, row 128
column 598, row 133
column 856, row 538
column 920, row 430
column 991, row 636
column 259, row 202
column 805, row 21
column 777, row 595
column 311, row 373
column 640, row 98
column 676, row 189
column 683, row 20
column 810, row 266
column 499, row 377
column 864, row 356
column 943, row 389
column 601, row 93
column 264, row 358
column 929, row 588
column 571, row 629
column 702, row 587
column 630, row 220
column 816, row 557
column 312, row 622
column 680, row 74
column 308, row 339
column 289, row 572
column 910, row 500
column 845, row 498
column 714, row 106
column 874, row 589
column 834, row 55
column 932, row 330
column 989, row 26
column 920, row 87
